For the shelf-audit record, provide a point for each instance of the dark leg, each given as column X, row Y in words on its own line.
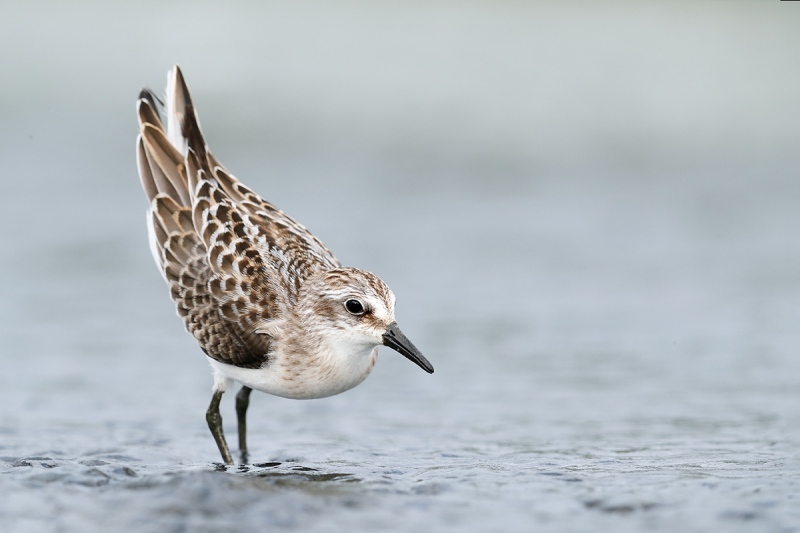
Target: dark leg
column 214, row 420
column 242, row 402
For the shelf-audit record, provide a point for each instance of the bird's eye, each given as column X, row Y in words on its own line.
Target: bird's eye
column 354, row 307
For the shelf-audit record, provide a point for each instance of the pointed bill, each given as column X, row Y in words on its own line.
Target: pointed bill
column 394, row 339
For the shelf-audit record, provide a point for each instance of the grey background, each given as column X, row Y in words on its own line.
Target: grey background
column 588, row 212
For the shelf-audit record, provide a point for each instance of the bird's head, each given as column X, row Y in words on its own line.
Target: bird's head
column 356, row 309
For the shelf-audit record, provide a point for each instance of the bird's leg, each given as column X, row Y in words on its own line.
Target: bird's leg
column 242, row 402
column 214, row 420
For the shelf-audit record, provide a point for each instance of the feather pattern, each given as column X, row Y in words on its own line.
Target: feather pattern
column 234, row 263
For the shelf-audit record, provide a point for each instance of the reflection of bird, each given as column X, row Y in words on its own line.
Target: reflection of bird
column 269, row 304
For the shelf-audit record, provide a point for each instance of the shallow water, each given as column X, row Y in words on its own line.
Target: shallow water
column 606, row 281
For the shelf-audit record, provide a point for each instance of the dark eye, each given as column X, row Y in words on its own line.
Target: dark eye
column 354, row 307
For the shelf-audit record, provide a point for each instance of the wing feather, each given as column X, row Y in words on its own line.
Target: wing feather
column 212, row 306
column 221, row 306
column 232, row 260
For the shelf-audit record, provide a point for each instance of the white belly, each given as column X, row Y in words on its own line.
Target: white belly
column 323, row 376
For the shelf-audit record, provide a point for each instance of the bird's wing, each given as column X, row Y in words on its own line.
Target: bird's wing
column 232, row 261
column 304, row 253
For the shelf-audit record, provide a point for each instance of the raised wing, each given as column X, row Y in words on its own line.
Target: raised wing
column 233, row 261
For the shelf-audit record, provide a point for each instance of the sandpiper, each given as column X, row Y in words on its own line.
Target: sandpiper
column 267, row 302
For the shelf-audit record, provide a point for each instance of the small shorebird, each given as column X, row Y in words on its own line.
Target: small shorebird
column 269, row 304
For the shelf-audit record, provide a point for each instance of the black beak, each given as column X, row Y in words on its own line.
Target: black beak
column 394, row 339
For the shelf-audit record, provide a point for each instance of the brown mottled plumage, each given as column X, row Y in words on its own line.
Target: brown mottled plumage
column 267, row 302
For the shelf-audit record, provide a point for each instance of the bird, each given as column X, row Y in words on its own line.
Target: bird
column 269, row 305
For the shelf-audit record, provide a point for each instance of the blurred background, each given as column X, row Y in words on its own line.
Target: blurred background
column 588, row 212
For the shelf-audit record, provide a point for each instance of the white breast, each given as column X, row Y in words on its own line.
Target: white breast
column 320, row 375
